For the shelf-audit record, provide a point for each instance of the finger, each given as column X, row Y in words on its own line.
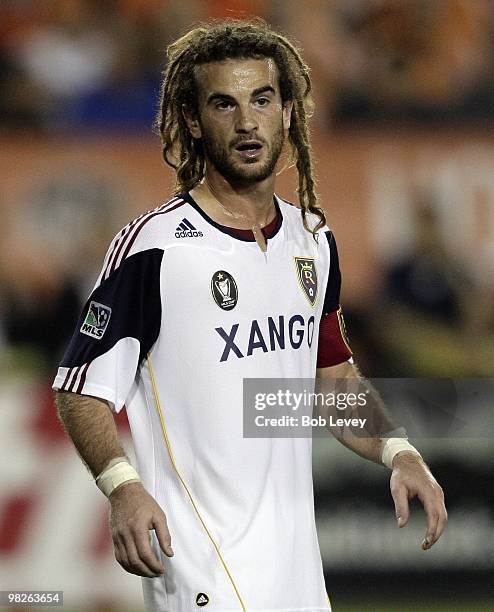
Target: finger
column 163, row 535
column 432, row 515
column 121, row 553
column 118, row 557
column 402, row 509
column 441, row 522
column 145, row 551
column 136, row 566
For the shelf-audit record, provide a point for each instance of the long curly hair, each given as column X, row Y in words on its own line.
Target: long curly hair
column 235, row 39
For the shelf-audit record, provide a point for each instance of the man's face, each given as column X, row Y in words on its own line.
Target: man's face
column 241, row 120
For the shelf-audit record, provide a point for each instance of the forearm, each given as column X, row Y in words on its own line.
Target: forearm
column 367, row 442
column 410, row 477
column 91, row 426
column 368, row 448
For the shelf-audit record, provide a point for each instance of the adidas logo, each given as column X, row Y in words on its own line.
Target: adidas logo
column 185, row 229
column 202, row 600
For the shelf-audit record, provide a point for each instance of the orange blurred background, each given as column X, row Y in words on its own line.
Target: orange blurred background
column 404, row 152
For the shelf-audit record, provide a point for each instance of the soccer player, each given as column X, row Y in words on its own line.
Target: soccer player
column 225, row 281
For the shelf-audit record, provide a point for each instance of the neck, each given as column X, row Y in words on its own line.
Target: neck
column 251, row 202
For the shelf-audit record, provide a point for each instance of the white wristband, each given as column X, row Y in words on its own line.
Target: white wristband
column 116, row 475
column 392, row 447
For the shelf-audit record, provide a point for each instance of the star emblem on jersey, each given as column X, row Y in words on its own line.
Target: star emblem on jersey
column 307, row 277
column 185, row 229
column 224, row 290
column 96, row 320
column 202, row 600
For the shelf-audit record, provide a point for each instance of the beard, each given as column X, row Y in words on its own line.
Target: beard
column 245, row 173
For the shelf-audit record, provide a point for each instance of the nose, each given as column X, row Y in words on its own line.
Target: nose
column 245, row 120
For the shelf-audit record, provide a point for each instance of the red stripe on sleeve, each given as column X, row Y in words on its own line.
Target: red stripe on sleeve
column 82, row 379
column 333, row 348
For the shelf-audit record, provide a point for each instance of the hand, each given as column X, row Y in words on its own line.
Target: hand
column 133, row 513
column 411, row 477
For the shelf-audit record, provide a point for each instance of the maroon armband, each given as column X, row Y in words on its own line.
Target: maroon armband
column 333, row 342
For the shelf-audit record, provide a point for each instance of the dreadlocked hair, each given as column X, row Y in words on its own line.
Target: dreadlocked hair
column 235, row 39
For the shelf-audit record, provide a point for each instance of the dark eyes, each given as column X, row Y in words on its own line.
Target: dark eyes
column 227, row 104
column 223, row 104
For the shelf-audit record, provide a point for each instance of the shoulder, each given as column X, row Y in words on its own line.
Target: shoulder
column 147, row 232
column 289, row 209
column 292, row 212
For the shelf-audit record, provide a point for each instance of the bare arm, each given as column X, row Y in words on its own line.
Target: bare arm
column 411, row 476
column 90, row 424
column 369, row 447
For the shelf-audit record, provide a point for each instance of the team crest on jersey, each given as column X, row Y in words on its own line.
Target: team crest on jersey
column 307, row 277
column 96, row 320
column 224, row 289
column 202, row 600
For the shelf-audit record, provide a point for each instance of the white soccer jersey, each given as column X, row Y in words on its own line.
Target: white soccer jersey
column 211, row 309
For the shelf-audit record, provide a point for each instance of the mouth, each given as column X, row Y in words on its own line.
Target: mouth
column 249, row 149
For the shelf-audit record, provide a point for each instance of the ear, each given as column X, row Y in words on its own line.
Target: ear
column 287, row 114
column 192, row 121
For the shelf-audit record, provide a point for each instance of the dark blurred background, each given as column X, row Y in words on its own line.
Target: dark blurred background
column 404, row 93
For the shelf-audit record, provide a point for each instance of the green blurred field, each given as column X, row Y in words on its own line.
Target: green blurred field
column 439, row 606
column 426, row 607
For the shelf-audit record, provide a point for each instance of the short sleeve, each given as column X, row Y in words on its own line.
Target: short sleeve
column 333, row 347
column 333, row 286
column 118, row 326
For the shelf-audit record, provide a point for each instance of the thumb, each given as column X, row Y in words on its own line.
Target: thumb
column 402, row 509
column 163, row 535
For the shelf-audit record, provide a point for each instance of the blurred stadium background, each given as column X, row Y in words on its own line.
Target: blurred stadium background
column 405, row 160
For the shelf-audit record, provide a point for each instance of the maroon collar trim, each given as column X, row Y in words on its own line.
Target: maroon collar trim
column 268, row 231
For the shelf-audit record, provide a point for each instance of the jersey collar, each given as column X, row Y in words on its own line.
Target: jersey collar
column 269, row 230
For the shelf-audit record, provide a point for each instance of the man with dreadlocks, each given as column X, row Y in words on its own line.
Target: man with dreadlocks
column 225, row 281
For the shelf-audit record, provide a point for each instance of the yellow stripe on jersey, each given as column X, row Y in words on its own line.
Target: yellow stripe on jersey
column 184, row 484
column 341, row 323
